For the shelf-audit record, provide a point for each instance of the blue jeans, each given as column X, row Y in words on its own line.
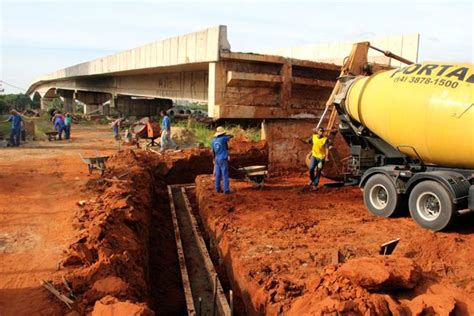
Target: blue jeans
column 313, row 166
column 221, row 172
column 60, row 129
column 15, row 136
column 67, row 131
column 116, row 131
column 166, row 141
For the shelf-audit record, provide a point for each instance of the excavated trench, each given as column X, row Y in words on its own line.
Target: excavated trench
column 125, row 259
column 172, row 197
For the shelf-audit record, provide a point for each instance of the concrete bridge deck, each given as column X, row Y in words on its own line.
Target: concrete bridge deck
column 198, row 67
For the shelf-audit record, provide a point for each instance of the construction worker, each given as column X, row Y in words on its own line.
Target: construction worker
column 221, row 158
column 319, row 152
column 59, row 124
column 116, row 125
column 166, row 140
column 17, row 124
column 67, row 125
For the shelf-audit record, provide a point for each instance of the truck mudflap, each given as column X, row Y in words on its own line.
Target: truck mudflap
column 471, row 198
column 457, row 184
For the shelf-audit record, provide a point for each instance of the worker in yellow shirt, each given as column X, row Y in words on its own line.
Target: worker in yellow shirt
column 319, row 153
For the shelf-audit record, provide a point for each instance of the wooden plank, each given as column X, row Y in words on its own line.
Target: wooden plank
column 278, row 60
column 182, row 262
column 315, row 64
column 353, row 66
column 185, row 185
column 234, row 78
column 221, row 300
column 314, row 82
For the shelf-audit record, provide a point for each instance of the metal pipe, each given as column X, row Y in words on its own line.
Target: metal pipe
column 322, row 116
column 231, row 302
column 392, row 55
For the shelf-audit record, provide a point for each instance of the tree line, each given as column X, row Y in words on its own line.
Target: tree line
column 19, row 102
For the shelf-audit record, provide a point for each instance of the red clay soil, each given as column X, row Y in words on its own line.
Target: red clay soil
column 281, row 247
column 109, row 264
column 110, row 254
column 40, row 183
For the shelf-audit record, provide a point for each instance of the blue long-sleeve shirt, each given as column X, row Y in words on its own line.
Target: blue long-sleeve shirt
column 58, row 122
column 166, row 124
column 219, row 147
column 16, row 121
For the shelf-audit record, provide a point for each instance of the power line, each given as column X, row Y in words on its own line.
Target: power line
column 12, row 85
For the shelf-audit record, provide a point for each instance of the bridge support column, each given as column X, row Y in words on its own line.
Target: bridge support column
column 69, row 104
column 88, row 108
column 45, row 102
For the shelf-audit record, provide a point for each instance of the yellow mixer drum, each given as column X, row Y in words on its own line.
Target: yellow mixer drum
column 424, row 109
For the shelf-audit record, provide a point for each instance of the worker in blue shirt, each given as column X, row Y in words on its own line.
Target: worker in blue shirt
column 166, row 140
column 221, row 158
column 59, row 124
column 17, row 124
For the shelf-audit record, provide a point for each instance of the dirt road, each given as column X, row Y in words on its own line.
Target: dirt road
column 40, row 184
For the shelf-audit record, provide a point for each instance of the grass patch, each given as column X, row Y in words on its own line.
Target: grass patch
column 204, row 134
column 4, row 127
column 42, row 126
column 252, row 133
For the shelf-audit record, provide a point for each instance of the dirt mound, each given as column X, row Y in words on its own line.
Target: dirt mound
column 432, row 304
column 240, row 143
column 110, row 256
column 280, row 245
column 183, row 137
column 111, row 249
column 382, row 273
column 111, row 306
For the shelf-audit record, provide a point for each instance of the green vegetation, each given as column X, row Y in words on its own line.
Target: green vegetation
column 252, row 133
column 19, row 102
column 56, row 104
column 42, row 125
column 204, row 133
column 197, row 106
column 4, row 127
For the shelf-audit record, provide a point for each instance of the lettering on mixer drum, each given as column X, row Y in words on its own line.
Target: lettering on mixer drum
column 443, row 75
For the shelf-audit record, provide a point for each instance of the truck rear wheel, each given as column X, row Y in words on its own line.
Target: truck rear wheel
column 380, row 196
column 431, row 205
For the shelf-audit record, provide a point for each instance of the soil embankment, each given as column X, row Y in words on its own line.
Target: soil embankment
column 124, row 255
column 293, row 252
column 40, row 183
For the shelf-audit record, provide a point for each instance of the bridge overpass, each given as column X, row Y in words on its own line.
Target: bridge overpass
column 278, row 86
column 197, row 67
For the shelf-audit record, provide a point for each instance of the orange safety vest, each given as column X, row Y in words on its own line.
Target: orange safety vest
column 319, row 148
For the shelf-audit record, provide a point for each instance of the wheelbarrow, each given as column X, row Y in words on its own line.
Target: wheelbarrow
column 254, row 174
column 95, row 163
column 51, row 135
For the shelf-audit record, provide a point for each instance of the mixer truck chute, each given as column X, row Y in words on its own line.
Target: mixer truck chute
column 411, row 135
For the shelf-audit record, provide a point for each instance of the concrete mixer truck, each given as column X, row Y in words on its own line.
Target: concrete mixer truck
column 411, row 136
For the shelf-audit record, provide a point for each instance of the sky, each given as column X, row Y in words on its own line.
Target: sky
column 39, row 37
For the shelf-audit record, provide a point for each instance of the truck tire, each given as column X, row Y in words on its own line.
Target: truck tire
column 431, row 205
column 380, row 196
